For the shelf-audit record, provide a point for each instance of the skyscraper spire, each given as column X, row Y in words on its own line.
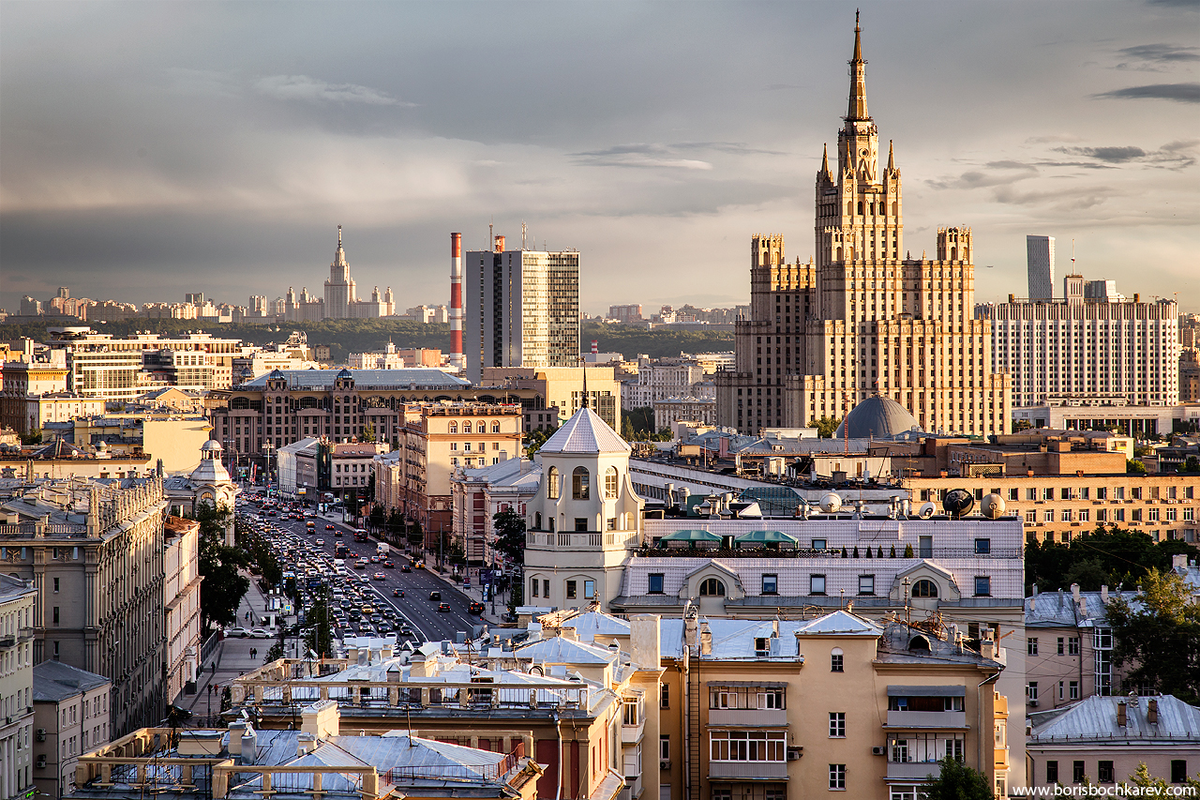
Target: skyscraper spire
column 858, row 79
column 891, row 157
column 825, row 161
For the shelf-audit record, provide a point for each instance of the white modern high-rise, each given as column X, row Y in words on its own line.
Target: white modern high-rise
column 521, row 309
column 1039, row 254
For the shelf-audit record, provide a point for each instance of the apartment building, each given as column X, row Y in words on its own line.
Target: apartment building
column 71, row 716
column 181, row 591
column 479, row 493
column 94, row 551
column 437, row 440
column 561, row 392
column 662, row 378
column 18, row 599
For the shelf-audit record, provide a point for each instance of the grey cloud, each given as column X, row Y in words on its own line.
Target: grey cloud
column 639, row 155
column 1161, row 52
column 1193, row 4
column 1180, row 92
column 1115, row 155
column 1175, row 155
column 302, row 87
column 1004, row 173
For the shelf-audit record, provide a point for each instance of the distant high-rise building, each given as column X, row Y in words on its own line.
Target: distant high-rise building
column 340, row 290
column 194, row 297
column 521, row 309
column 1039, row 254
column 863, row 318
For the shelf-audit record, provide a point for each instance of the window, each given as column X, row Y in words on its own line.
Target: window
column 983, row 547
column 924, row 588
column 746, row 697
column 580, row 484
column 581, row 524
column 816, row 584
column 589, row 590
column 866, row 584
column 1061, row 641
column 1031, row 692
column 552, row 484
column 837, row 724
column 1077, row 772
column 56, row 585
column 664, row 747
column 1051, row 772
column 1031, row 646
column 533, row 588
column 1073, row 690
column 819, row 544
column 983, row 586
column 837, row 776
column 546, row 587
column 656, row 583
column 747, row 745
column 610, row 483
column 711, row 587
column 1178, row 770
column 664, row 696
column 56, row 618
column 770, row 583
column 835, row 660
column 1073, row 646
column 570, row 590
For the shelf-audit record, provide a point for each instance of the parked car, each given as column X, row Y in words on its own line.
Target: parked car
column 260, row 633
column 237, row 631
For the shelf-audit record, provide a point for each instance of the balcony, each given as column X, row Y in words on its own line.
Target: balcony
column 740, row 770
column 632, row 734
column 585, row 540
column 927, row 719
column 912, row 770
column 748, row 717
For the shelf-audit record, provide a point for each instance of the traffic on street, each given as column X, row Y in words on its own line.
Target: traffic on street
column 373, row 589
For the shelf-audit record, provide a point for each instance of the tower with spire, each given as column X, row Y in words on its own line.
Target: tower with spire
column 340, row 290
column 861, row 317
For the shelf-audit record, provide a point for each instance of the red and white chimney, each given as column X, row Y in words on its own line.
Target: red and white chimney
column 456, row 303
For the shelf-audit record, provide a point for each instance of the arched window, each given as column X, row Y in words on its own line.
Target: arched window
column 552, row 484
column 919, row 644
column 537, row 521
column 495, row 427
column 454, row 427
column 924, row 588
column 835, row 660
column 712, row 588
column 894, row 208
column 860, row 207
column 610, row 483
column 466, row 427
column 953, row 253
column 581, row 487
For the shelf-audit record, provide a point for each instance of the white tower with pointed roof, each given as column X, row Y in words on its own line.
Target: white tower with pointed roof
column 585, row 518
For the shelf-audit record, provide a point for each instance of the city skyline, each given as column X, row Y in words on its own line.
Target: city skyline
column 155, row 149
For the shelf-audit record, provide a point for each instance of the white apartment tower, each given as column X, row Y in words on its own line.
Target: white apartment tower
column 863, row 318
column 340, row 292
column 521, row 309
column 1087, row 350
column 1039, row 256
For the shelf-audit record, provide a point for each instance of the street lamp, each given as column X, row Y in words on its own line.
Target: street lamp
column 267, row 450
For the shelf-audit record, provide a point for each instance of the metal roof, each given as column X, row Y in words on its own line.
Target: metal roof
column 407, row 378
column 585, row 432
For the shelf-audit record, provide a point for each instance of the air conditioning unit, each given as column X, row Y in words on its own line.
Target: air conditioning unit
column 664, row 763
column 41, row 761
column 41, row 734
column 878, row 751
column 794, row 753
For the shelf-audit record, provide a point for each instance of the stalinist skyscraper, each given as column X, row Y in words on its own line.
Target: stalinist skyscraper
column 863, row 319
column 340, row 290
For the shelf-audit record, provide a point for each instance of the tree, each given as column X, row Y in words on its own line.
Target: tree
column 535, row 439
column 1143, row 779
column 1135, row 467
column 509, row 527
column 1162, row 637
column 1191, row 464
column 1109, row 556
column 957, row 781
column 319, row 637
column 368, row 434
column 825, row 426
column 224, row 585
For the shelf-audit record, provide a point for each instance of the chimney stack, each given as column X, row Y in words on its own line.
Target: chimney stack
column 456, row 302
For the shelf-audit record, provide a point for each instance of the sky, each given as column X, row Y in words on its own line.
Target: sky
column 148, row 149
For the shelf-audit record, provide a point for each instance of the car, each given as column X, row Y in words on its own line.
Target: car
column 435, row 595
column 374, row 559
column 380, row 576
column 443, row 606
column 475, row 608
column 388, row 564
column 331, row 527
column 397, row 593
column 260, row 633
column 405, row 568
column 366, row 578
column 418, row 565
column 237, row 631
column 320, row 542
column 337, row 532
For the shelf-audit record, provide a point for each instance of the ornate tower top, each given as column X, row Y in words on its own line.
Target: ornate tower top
column 857, row 109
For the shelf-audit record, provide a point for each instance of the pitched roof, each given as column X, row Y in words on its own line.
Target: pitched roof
column 406, row 378
column 585, row 432
column 54, row 681
column 1096, row 718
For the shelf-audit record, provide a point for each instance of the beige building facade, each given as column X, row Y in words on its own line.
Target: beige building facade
column 863, row 317
column 181, row 591
column 561, row 388
column 18, row 599
column 71, row 716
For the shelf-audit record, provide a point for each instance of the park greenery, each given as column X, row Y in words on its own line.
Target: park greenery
column 1106, row 556
column 826, row 426
column 509, row 527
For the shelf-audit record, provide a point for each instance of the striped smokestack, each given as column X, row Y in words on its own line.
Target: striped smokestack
column 456, row 302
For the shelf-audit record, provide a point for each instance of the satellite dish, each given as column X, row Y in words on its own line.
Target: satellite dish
column 831, row 503
column 958, row 502
column 992, row 505
column 926, row 510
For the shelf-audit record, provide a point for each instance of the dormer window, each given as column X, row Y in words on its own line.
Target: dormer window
column 762, row 646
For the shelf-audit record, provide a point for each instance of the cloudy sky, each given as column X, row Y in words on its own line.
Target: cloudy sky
column 153, row 148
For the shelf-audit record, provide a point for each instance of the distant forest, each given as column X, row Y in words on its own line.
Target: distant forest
column 345, row 336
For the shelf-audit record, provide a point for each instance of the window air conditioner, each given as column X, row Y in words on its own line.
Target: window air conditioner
column 793, row 754
column 41, row 761
column 41, row 734
column 664, row 763
column 878, row 751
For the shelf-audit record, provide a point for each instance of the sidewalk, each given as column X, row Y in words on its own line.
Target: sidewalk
column 230, row 659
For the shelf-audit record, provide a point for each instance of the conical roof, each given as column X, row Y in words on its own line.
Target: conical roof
column 586, row 433
column 877, row 417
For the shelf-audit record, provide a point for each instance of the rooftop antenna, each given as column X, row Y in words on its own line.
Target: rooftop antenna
column 1072, row 256
column 491, row 237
